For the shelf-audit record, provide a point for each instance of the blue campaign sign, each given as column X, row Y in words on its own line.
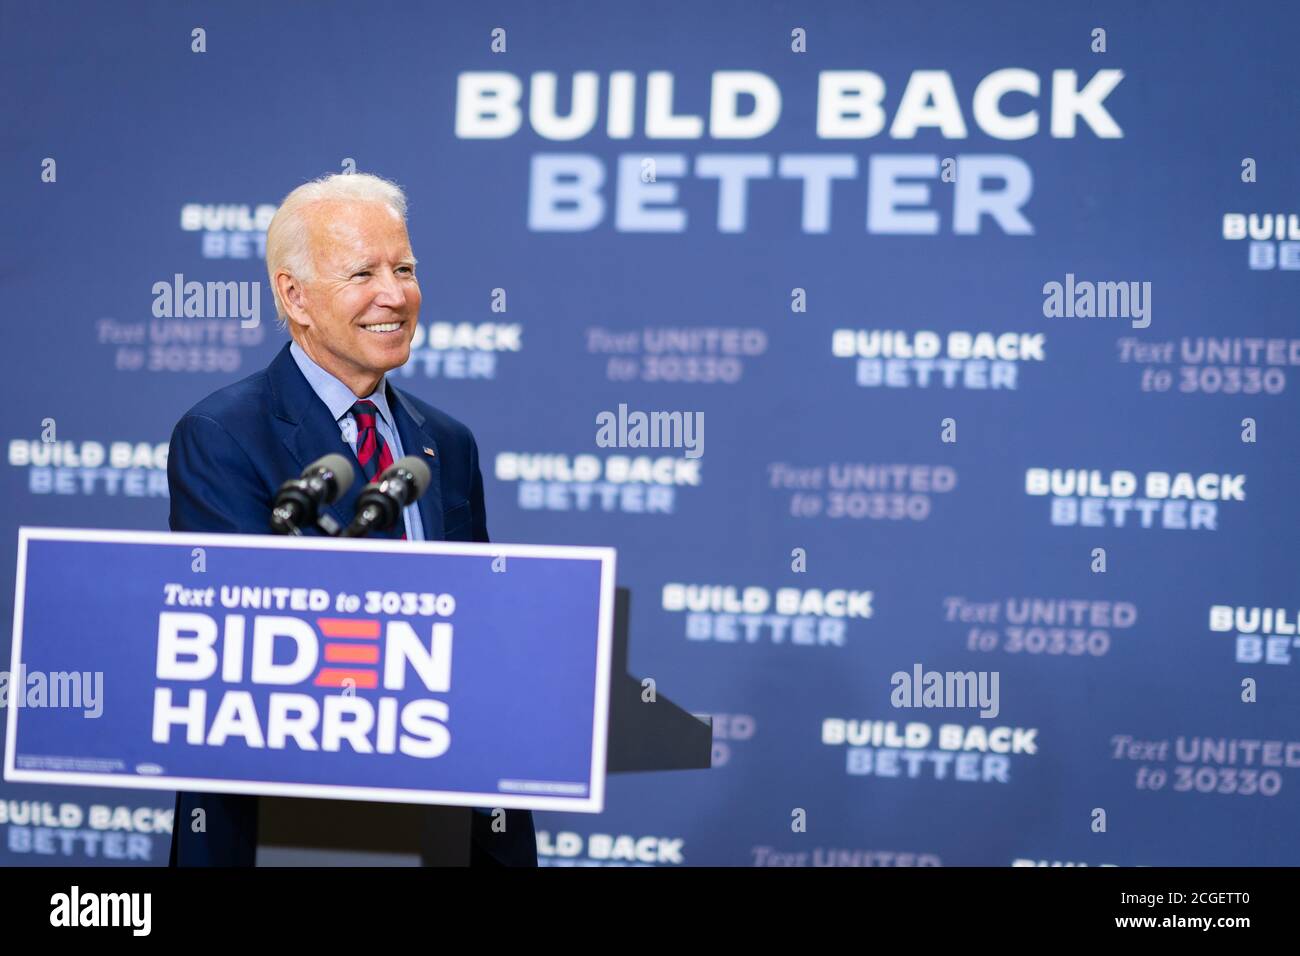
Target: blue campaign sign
column 445, row 673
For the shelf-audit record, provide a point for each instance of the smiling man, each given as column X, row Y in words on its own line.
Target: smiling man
column 343, row 276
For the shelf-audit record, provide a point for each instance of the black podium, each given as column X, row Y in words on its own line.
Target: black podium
column 643, row 736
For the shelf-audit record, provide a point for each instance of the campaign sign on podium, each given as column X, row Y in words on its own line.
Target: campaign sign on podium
column 438, row 672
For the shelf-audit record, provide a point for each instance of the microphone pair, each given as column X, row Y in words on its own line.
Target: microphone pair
column 299, row 500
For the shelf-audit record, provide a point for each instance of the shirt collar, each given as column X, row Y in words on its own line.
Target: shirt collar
column 338, row 398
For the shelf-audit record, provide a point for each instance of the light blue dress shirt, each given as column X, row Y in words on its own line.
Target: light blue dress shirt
column 338, row 398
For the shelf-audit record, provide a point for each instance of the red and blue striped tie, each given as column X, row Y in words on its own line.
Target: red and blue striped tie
column 372, row 451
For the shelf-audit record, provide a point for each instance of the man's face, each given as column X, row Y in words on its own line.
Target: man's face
column 363, row 303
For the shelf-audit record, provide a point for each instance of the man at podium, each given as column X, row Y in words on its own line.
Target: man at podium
column 343, row 277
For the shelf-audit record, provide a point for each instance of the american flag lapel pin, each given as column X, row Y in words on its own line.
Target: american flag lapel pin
column 428, row 451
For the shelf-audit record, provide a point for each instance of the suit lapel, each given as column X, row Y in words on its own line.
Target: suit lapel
column 307, row 430
column 417, row 441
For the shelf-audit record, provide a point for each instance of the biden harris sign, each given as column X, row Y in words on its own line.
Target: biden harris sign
column 441, row 673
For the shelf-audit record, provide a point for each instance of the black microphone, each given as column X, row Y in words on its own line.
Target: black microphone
column 381, row 502
column 299, row 500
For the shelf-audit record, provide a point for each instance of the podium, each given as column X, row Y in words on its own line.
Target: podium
column 643, row 736
column 380, row 699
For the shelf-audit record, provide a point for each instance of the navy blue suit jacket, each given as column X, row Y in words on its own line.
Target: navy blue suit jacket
column 229, row 454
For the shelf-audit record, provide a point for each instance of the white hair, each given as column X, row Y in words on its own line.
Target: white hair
column 287, row 242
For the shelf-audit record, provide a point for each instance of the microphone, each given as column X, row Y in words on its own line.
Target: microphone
column 299, row 500
column 381, row 502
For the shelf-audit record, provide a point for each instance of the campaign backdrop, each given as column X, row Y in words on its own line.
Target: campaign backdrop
column 978, row 560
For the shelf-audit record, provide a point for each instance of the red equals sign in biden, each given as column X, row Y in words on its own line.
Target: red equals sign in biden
column 350, row 647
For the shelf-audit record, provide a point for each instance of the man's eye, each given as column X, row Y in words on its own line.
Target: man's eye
column 354, row 275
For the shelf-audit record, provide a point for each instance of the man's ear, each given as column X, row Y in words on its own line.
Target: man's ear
column 293, row 297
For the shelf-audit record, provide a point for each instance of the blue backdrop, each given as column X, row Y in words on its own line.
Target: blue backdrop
column 705, row 266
